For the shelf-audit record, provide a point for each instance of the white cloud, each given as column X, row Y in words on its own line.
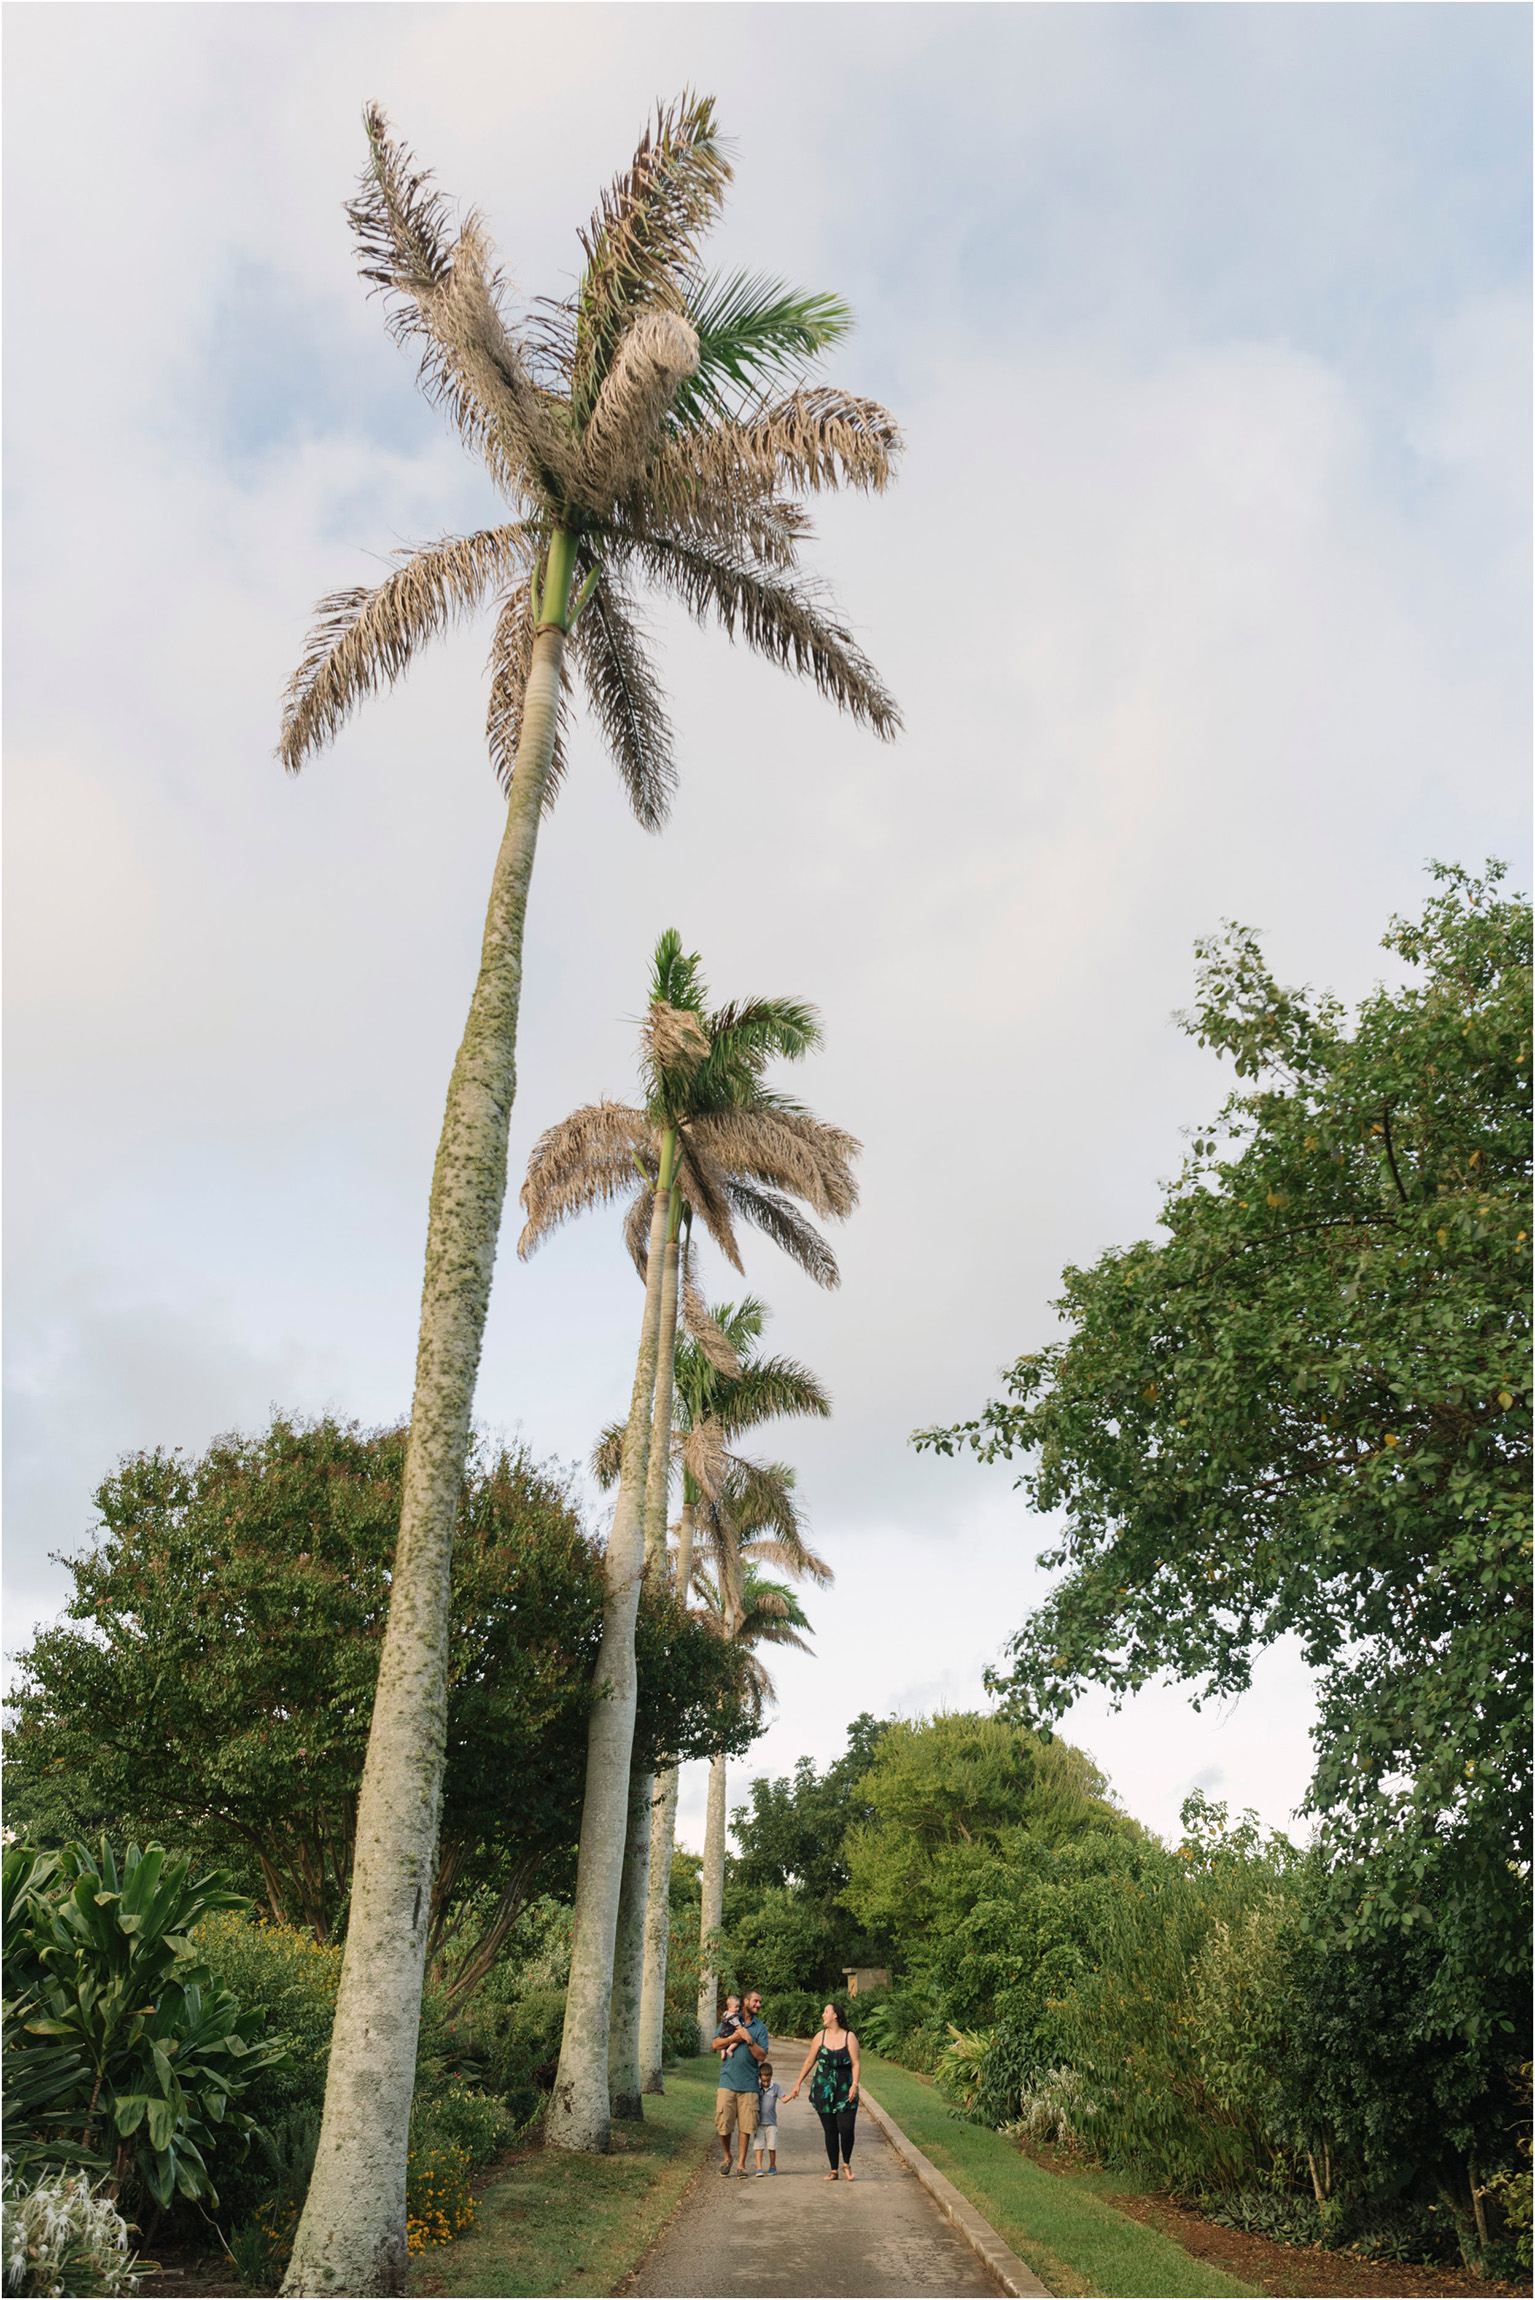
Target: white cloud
column 1202, row 590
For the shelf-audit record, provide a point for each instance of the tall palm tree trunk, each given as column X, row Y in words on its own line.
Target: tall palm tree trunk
column 713, row 1882
column 624, row 2073
column 663, row 1838
column 580, row 2114
column 351, row 2237
column 629, row 1951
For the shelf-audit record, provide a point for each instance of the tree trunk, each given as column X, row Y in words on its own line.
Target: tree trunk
column 713, row 1900
column 351, row 2236
column 629, row 1953
column 625, row 2074
column 579, row 2115
column 663, row 1838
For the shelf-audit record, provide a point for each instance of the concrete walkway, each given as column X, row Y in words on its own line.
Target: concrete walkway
column 799, row 2235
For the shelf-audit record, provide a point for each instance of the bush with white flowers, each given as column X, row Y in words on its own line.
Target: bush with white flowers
column 64, row 2236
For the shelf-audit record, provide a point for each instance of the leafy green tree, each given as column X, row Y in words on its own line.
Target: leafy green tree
column 641, row 432
column 1305, row 1411
column 214, row 1670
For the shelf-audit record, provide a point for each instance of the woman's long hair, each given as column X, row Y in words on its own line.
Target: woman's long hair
column 841, row 2016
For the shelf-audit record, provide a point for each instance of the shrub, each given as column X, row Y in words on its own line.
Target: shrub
column 438, row 2204
column 64, row 2235
column 142, row 2055
column 1054, row 2108
column 283, row 1971
column 463, row 2118
column 518, row 2048
column 794, row 2012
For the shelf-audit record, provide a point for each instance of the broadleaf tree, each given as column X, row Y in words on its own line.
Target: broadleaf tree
column 1304, row 1410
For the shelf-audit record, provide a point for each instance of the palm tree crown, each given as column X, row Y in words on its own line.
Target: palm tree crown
column 642, row 421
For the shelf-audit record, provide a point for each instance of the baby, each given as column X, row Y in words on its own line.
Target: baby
column 766, row 2134
column 732, row 2017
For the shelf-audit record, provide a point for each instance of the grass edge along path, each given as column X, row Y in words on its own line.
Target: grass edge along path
column 555, row 2224
column 1073, row 2241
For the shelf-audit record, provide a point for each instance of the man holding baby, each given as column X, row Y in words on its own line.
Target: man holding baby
column 741, row 2040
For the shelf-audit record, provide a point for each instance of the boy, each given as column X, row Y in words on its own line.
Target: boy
column 766, row 2134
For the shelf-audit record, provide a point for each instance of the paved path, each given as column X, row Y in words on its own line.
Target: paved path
column 799, row 2235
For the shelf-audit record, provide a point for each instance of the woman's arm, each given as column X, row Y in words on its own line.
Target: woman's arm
column 804, row 2072
column 852, row 2046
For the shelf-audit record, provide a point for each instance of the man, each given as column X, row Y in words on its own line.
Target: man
column 741, row 2048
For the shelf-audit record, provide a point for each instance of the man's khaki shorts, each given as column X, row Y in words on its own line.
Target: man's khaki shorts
column 734, row 2112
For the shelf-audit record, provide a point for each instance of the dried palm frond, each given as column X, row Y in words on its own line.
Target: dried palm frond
column 759, row 1146
column 364, row 638
column 785, row 620
column 626, row 700
column 641, row 242
column 771, row 1213
column 446, row 294
column 637, row 1230
column 702, row 1454
column 658, row 350
column 608, row 1454
column 791, row 1557
column 705, row 1187
column 511, row 659
column 672, row 1037
column 587, row 1160
column 821, row 438
column 706, row 1332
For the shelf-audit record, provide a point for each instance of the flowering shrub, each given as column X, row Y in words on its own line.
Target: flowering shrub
column 62, row 2236
column 465, row 2119
column 438, row 2205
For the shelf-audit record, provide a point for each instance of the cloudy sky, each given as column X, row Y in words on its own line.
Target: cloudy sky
column 1204, row 592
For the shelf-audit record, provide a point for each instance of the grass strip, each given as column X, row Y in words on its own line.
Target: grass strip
column 555, row 2224
column 1071, row 2238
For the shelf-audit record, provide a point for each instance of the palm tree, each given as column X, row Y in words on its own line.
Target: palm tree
column 752, row 1521
column 713, row 1404
column 712, row 1140
column 653, row 427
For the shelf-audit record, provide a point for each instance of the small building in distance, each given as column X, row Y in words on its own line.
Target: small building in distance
column 865, row 1977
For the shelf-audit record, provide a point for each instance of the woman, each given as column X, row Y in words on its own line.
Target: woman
column 834, row 2087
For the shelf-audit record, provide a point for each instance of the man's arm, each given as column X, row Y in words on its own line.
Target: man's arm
column 759, row 2051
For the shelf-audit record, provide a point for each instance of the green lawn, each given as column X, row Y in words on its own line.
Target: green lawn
column 554, row 2224
column 1071, row 2238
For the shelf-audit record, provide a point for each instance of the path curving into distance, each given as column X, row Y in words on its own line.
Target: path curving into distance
column 798, row 2234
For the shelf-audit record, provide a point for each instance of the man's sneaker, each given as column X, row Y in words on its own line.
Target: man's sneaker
column 724, row 2172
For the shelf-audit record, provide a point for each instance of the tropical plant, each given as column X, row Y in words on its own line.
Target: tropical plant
column 711, row 1405
column 711, row 1139
column 64, row 2234
column 640, row 431
column 144, row 2058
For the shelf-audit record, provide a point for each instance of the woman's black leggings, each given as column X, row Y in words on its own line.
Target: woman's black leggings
column 837, row 2124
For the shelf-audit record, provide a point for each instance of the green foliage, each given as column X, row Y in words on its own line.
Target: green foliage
column 149, row 2054
column 464, row 2118
column 439, row 2202
column 791, row 1839
column 64, row 2234
column 1307, row 1412
column 214, row 1673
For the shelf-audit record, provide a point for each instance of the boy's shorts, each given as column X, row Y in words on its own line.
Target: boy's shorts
column 765, row 2136
column 734, row 2112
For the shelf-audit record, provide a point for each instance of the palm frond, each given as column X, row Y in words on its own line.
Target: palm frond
column 626, row 699
column 710, row 1337
column 706, row 1188
column 768, row 1389
column 446, row 295
column 819, row 438
column 702, row 1454
column 782, row 619
column 657, row 354
column 363, row 639
column 791, row 1557
column 511, row 660
column 754, row 1145
column 672, row 1038
column 773, row 1214
column 753, row 333
column 587, row 1159
column 641, row 243
column 637, row 1226
column 608, row 1455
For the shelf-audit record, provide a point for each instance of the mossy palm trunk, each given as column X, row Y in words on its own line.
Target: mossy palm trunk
column 624, row 2068
column 663, row 1838
column 713, row 1886
column 580, row 2111
column 351, row 2236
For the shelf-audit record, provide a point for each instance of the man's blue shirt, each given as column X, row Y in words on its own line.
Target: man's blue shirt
column 738, row 2071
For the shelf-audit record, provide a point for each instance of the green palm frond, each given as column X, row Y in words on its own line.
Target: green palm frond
column 754, row 335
